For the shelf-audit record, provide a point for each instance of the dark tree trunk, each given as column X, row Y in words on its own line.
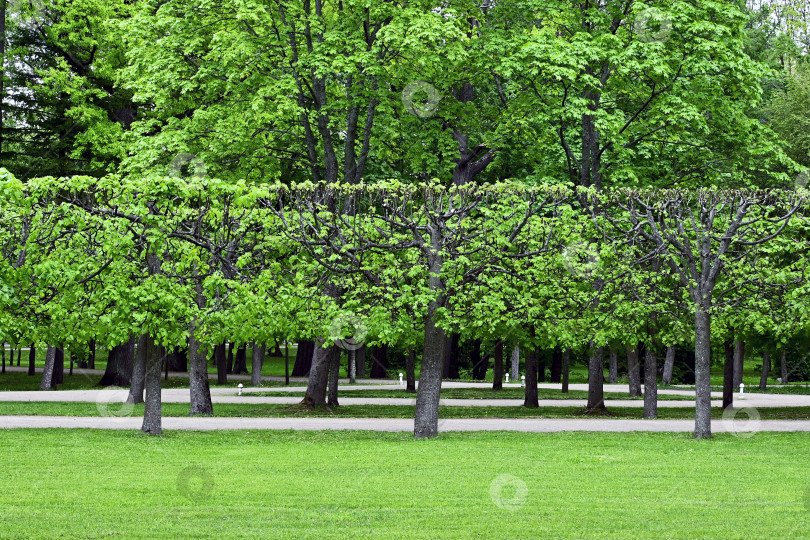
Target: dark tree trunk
column 71, row 362
column 530, row 399
column 703, row 384
column 303, row 358
column 766, row 366
column 613, row 367
column 256, row 361
column 783, row 366
column 352, row 365
column 728, row 375
column 229, row 360
column 119, row 365
column 199, row 388
column 286, row 362
column 379, row 367
column 739, row 357
column 515, row 363
column 540, row 359
column 596, row 379
column 669, row 365
column 497, row 370
column 47, row 372
column 19, row 356
column 240, row 366
column 410, row 372
column 178, row 359
column 334, row 376
column 59, row 367
column 566, row 369
column 650, row 382
column 152, row 414
column 633, row 371
column 360, row 359
column 32, row 360
column 3, row 359
column 426, row 417
column 451, row 357
column 318, row 376
column 220, row 355
column 139, row 372
column 91, row 361
column 479, row 370
column 556, row 365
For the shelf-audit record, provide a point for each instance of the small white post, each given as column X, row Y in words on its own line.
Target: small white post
column 742, row 388
column 523, row 381
column 400, row 379
column 239, row 386
column 507, row 378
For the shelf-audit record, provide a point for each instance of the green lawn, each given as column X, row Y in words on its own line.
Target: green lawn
column 478, row 393
column 93, row 484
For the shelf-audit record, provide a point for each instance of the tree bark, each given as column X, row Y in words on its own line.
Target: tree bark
column 119, row 365
column 410, row 372
column 703, row 384
column 728, row 375
column 566, row 370
column 451, row 360
column 633, row 373
column 3, row 359
column 739, row 357
column 497, row 370
column 240, row 365
column 596, row 380
column 91, row 361
column 47, row 372
column 153, row 411
column 379, row 366
column 360, row 359
column 556, row 365
column 138, row 372
column 303, row 358
column 530, row 399
column 58, row 367
column 32, row 360
column 426, row 417
column 766, row 366
column 613, row 367
column 515, row 363
column 669, row 365
column 199, row 388
column 334, row 375
column 352, row 365
column 479, row 370
column 220, row 356
column 229, row 359
column 650, row 382
column 783, row 365
column 256, row 361
column 318, row 376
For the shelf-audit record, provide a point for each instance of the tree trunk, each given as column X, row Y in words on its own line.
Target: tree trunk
column 318, row 376
column 728, row 375
column 334, row 375
column 32, row 360
column 19, row 356
column 530, row 399
column 703, row 383
column 379, row 366
column 229, row 360
column 303, row 358
column 633, row 371
column 3, row 359
column 783, row 365
column 566, row 370
column 410, row 372
column 426, row 417
column 286, row 363
column 119, row 365
column 59, row 367
column 479, row 365
column 91, row 361
column 650, row 382
column 669, row 365
column 451, row 359
column 596, row 380
column 256, row 361
column 240, row 366
column 199, row 388
column 766, row 366
column 739, row 357
column 360, row 360
column 613, row 367
column 556, row 365
column 497, row 370
column 220, row 355
column 515, row 364
column 138, row 372
column 352, row 353
column 153, row 412
column 47, row 372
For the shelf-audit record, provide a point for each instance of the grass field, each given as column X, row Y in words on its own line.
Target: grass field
column 478, row 393
column 94, row 484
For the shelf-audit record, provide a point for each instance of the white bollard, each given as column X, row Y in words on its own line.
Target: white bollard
column 239, row 386
column 507, row 378
column 400, row 379
column 523, row 381
column 742, row 388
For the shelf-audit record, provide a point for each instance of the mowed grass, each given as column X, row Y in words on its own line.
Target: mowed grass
column 233, row 410
column 94, row 484
column 476, row 393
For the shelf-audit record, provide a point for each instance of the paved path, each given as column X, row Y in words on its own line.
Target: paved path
column 742, row 428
